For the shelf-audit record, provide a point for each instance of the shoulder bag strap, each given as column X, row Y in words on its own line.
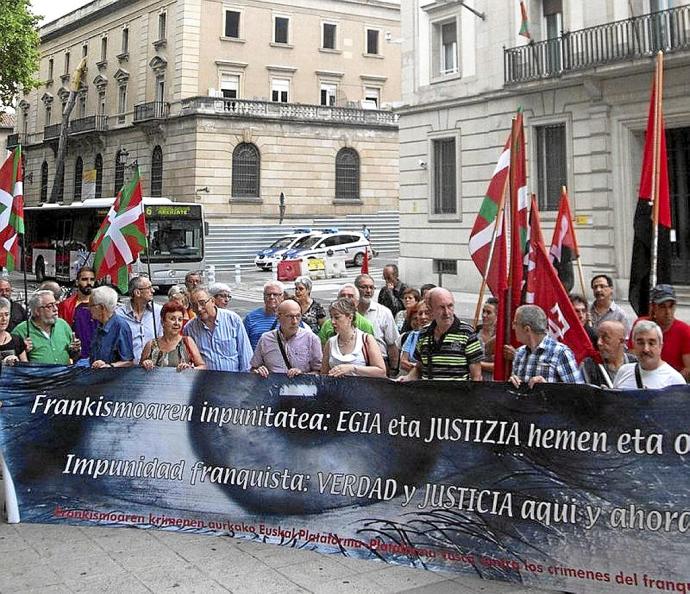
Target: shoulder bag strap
column 282, row 350
column 638, row 377
column 365, row 349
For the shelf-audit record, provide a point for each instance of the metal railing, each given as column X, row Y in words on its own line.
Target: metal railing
column 94, row 123
column 246, row 108
column 154, row 110
column 51, row 132
column 12, row 141
column 637, row 37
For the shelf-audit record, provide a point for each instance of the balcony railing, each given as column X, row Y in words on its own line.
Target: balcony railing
column 52, row 132
column 244, row 108
column 637, row 37
column 12, row 141
column 154, row 110
column 94, row 123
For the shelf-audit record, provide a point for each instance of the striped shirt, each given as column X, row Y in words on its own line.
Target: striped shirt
column 449, row 358
column 553, row 360
column 226, row 346
column 256, row 322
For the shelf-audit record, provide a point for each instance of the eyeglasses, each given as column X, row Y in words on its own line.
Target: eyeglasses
column 201, row 303
column 223, row 296
column 272, row 294
column 48, row 306
column 366, row 287
column 292, row 316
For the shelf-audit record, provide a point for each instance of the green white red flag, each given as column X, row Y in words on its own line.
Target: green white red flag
column 524, row 21
column 122, row 235
column 484, row 227
column 11, row 208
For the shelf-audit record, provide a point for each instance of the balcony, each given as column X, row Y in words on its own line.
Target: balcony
column 52, row 132
column 154, row 110
column 620, row 41
column 243, row 108
column 94, row 123
column 13, row 140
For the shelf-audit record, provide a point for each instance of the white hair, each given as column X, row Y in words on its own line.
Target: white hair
column 647, row 326
column 275, row 283
column 105, row 296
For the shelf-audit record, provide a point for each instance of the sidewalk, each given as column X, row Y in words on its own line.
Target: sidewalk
column 49, row 558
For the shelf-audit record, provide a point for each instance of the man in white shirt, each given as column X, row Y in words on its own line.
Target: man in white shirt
column 651, row 372
column 385, row 331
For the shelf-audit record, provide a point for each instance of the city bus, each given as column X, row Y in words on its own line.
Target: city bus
column 58, row 239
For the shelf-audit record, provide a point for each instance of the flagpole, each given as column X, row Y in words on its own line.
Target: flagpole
column 148, row 263
column 492, row 248
column 656, row 154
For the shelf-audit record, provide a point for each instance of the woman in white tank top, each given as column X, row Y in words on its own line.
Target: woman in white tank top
column 350, row 351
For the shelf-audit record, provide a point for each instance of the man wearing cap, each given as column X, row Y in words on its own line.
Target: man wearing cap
column 676, row 350
column 221, row 293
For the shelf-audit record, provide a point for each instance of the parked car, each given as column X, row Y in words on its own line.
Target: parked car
column 265, row 259
column 351, row 246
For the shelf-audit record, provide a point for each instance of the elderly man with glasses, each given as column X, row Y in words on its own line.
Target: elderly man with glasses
column 221, row 293
column 142, row 315
column 111, row 345
column 263, row 319
column 51, row 337
column 219, row 334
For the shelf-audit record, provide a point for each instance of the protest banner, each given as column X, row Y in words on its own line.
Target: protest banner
column 566, row 487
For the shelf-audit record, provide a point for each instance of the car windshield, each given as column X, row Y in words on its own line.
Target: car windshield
column 283, row 242
column 307, row 242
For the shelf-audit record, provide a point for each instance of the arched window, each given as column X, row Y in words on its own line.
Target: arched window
column 157, row 172
column 98, row 166
column 44, row 181
column 78, row 176
column 347, row 174
column 246, row 167
column 119, row 172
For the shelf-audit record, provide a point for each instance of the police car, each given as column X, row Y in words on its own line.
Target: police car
column 331, row 243
column 265, row 259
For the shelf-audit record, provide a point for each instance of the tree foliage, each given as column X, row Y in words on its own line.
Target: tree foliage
column 19, row 48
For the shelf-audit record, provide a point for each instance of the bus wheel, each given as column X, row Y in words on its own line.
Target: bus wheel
column 40, row 270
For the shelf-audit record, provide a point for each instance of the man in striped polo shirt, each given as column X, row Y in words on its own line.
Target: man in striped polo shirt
column 447, row 349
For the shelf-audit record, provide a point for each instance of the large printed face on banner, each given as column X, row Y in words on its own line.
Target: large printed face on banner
column 566, row 487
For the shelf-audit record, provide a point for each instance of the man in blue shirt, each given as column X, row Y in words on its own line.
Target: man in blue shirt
column 112, row 343
column 219, row 334
column 141, row 314
column 264, row 319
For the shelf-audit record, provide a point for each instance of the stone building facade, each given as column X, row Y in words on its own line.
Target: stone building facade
column 583, row 84
column 225, row 102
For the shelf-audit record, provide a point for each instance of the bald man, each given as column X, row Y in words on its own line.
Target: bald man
column 447, row 349
column 611, row 345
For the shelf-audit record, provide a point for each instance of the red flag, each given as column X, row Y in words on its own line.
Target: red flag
column 11, row 208
column 122, row 235
column 563, row 244
column 545, row 290
column 501, row 367
column 484, row 229
column 365, row 262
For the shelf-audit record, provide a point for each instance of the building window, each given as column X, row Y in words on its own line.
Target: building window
column 246, row 167
column 328, row 40
column 119, row 172
column 104, row 49
column 101, row 103
column 125, row 40
column 347, row 174
column 82, row 106
column 49, row 111
column 121, row 103
column 373, row 41
column 51, row 66
column 160, row 88
column 230, row 85
column 84, row 50
column 232, row 24
column 98, row 166
column 44, row 182
column 157, row 172
column 372, row 97
column 162, row 18
column 552, row 170
column 66, row 62
column 444, row 197
column 280, row 88
column 78, row 176
column 328, row 92
column 445, row 48
column 281, row 30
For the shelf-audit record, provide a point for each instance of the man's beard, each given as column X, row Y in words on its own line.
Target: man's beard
column 86, row 290
column 49, row 321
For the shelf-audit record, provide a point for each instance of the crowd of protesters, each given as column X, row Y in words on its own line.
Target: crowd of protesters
column 405, row 333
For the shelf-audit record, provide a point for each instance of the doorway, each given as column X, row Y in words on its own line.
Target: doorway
column 678, row 149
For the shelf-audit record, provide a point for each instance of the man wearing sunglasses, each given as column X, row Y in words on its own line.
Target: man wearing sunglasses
column 51, row 337
column 219, row 334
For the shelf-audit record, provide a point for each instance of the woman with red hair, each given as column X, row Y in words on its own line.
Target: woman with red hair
column 172, row 349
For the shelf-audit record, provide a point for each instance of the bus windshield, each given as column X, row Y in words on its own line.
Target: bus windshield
column 175, row 233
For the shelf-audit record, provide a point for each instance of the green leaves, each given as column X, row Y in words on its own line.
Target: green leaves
column 19, row 49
